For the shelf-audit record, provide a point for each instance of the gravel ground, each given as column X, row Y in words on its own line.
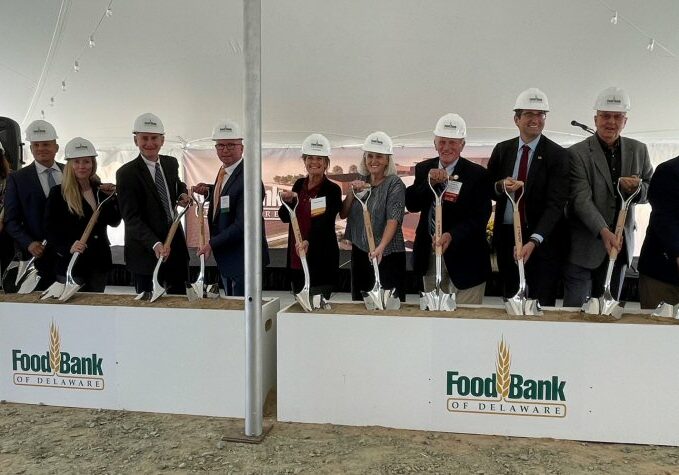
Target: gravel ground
column 57, row 440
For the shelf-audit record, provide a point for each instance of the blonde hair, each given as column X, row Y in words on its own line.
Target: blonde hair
column 70, row 189
column 391, row 167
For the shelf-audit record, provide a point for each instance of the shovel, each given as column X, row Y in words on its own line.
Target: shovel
column 71, row 286
column 28, row 278
column 667, row 310
column 196, row 290
column 437, row 299
column 606, row 304
column 303, row 297
column 9, row 277
column 377, row 298
column 519, row 304
column 159, row 290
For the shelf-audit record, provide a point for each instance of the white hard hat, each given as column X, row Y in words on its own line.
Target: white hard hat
column 378, row 142
column 451, row 126
column 148, row 123
column 40, row 131
column 316, row 144
column 78, row 148
column 532, row 99
column 226, row 130
column 612, row 99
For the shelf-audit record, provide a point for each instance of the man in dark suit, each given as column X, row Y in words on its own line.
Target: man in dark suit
column 535, row 170
column 597, row 163
column 466, row 209
column 226, row 213
column 27, row 191
column 659, row 259
column 148, row 189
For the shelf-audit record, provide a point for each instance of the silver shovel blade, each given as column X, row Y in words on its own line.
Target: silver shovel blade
column 54, row 291
column 532, row 307
column 592, row 306
column 373, row 299
column 29, row 282
column 515, row 305
column 447, row 302
column 319, row 302
column 391, row 300
column 69, row 291
column 212, row 291
column 303, row 299
column 612, row 307
column 143, row 296
column 157, row 293
column 665, row 310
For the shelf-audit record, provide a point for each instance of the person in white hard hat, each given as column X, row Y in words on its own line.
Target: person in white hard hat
column 318, row 202
column 226, row 213
column 466, row 209
column 149, row 189
column 597, row 163
column 68, row 211
column 386, row 205
column 535, row 169
column 27, row 191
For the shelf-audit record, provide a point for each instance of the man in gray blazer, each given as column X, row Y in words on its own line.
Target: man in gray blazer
column 597, row 163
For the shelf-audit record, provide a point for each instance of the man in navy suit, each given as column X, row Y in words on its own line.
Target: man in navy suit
column 535, row 170
column 148, row 190
column 466, row 208
column 659, row 259
column 27, row 191
column 226, row 215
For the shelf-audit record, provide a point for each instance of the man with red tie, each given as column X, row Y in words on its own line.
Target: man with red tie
column 535, row 170
column 226, row 213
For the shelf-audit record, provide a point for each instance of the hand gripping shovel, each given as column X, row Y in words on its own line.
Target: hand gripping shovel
column 303, row 297
column 71, row 286
column 437, row 299
column 196, row 290
column 159, row 290
column 519, row 304
column 27, row 277
column 377, row 298
column 606, row 304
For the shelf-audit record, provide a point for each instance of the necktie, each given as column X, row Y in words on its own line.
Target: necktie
column 218, row 191
column 50, row 179
column 522, row 175
column 162, row 191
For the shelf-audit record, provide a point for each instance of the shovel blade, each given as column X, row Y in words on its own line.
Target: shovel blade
column 665, row 310
column 143, row 296
column 515, row 305
column 592, row 306
column 319, row 302
column 303, row 299
column 532, row 307
column 69, row 291
column 369, row 301
column 447, row 302
column 29, row 282
column 613, row 308
column 157, row 293
column 9, row 278
column 53, row 291
column 212, row 291
column 391, row 300
column 195, row 291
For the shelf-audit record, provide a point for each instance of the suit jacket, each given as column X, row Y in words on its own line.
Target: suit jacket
column 63, row 228
column 25, row 207
column 545, row 194
column 144, row 216
column 323, row 255
column 467, row 258
column 593, row 197
column 659, row 253
column 227, row 228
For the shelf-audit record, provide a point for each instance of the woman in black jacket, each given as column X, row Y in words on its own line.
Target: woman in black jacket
column 319, row 203
column 68, row 211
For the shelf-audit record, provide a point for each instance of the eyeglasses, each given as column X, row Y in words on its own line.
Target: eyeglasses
column 228, row 146
column 616, row 116
column 534, row 115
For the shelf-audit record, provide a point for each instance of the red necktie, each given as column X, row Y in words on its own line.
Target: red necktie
column 523, row 174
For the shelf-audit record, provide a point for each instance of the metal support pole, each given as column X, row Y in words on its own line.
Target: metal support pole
column 252, row 167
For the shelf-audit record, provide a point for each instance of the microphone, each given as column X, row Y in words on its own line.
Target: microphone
column 582, row 126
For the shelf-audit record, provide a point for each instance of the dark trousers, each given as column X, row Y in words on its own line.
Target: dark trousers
column 92, row 282
column 392, row 273
column 234, row 286
column 543, row 270
column 581, row 283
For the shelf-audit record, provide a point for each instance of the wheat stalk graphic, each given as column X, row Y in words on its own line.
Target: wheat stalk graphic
column 55, row 348
column 502, row 369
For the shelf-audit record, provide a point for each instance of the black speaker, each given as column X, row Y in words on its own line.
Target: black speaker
column 10, row 136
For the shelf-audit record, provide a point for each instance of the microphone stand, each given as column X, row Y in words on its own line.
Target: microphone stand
column 582, row 126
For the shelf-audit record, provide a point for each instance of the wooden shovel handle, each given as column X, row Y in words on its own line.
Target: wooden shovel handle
column 369, row 230
column 297, row 233
column 90, row 226
column 518, row 238
column 438, row 228
column 170, row 234
column 619, row 228
column 201, row 220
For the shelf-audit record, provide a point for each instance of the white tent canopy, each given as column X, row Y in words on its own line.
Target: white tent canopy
column 344, row 68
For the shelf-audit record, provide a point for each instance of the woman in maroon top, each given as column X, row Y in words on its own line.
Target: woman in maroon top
column 319, row 203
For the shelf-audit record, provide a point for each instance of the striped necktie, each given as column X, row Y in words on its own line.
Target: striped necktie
column 162, row 191
column 51, row 182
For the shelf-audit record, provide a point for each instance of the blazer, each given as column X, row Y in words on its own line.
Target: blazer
column 593, row 197
column 323, row 254
column 63, row 228
column 659, row 253
column 25, row 207
column 468, row 256
column 545, row 194
column 144, row 216
column 227, row 229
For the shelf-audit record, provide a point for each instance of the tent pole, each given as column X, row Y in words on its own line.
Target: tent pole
column 252, row 167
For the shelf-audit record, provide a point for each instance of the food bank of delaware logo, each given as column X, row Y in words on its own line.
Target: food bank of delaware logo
column 56, row 368
column 505, row 393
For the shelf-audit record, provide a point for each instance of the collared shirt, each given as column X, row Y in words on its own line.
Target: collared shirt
column 612, row 155
column 42, row 175
column 228, row 171
column 450, row 168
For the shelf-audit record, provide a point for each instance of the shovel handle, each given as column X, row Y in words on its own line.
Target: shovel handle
column 170, row 234
column 438, row 227
column 90, row 226
column 619, row 227
column 518, row 238
column 368, row 229
column 201, row 223
column 298, row 234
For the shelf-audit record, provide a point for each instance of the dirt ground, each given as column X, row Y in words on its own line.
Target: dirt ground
column 57, row 440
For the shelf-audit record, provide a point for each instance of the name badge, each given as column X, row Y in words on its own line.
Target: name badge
column 452, row 191
column 317, row 206
column 224, row 204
